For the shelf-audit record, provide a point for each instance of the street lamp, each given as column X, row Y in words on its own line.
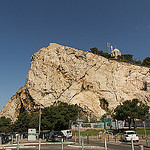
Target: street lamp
column 79, row 122
column 40, row 128
column 40, row 119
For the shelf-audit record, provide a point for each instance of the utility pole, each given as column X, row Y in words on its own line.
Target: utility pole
column 40, row 120
column 40, row 127
column 144, row 129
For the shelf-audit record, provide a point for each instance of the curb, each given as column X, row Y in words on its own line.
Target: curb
column 9, row 148
column 90, row 147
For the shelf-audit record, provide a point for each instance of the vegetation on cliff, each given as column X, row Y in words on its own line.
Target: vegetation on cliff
column 123, row 58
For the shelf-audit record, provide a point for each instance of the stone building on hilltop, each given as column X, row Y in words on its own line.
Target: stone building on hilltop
column 116, row 52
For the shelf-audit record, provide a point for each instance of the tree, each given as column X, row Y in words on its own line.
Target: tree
column 25, row 121
column 137, row 62
column 127, row 57
column 143, row 111
column 94, row 50
column 58, row 117
column 34, row 120
column 22, row 123
column 106, row 55
column 131, row 110
column 5, row 124
column 100, row 53
column 120, row 58
column 146, row 62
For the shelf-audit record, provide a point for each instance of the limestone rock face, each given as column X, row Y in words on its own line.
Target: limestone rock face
column 62, row 73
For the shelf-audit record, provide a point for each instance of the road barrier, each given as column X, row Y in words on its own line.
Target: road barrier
column 12, row 139
column 100, row 141
column 82, row 143
column 105, row 143
column 132, row 145
column 62, row 146
column 18, row 139
column 91, row 139
column 0, row 140
column 39, row 143
column 141, row 147
column 88, row 139
column 75, row 138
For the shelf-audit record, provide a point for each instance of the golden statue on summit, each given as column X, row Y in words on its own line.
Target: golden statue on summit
column 114, row 52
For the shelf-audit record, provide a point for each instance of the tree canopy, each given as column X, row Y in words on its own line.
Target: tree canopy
column 58, row 117
column 130, row 110
column 25, row 121
column 52, row 118
column 94, row 50
column 123, row 58
column 5, row 124
column 146, row 62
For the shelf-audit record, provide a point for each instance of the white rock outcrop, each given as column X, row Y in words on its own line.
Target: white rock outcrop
column 62, row 73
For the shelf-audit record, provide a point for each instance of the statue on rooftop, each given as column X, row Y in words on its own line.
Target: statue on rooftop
column 116, row 52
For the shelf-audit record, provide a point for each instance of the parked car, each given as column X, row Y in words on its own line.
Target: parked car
column 25, row 135
column 4, row 137
column 43, row 135
column 15, row 134
column 128, row 135
column 67, row 133
column 55, row 136
column 9, row 136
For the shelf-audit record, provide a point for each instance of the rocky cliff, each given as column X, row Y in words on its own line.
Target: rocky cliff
column 62, row 73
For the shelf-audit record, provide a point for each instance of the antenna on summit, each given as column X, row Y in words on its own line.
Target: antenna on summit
column 109, row 47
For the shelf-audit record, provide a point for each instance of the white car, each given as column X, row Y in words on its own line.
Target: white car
column 67, row 133
column 128, row 135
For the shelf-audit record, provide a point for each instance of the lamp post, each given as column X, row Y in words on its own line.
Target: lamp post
column 79, row 131
column 40, row 127
column 40, row 120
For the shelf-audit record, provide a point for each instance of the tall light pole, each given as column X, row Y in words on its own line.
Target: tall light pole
column 79, row 128
column 40, row 119
column 40, row 127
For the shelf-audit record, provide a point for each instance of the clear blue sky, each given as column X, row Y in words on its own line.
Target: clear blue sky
column 28, row 25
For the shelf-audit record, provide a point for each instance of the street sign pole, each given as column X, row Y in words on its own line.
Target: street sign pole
column 145, row 133
column 144, row 128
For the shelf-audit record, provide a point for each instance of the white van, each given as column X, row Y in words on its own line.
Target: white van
column 67, row 133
